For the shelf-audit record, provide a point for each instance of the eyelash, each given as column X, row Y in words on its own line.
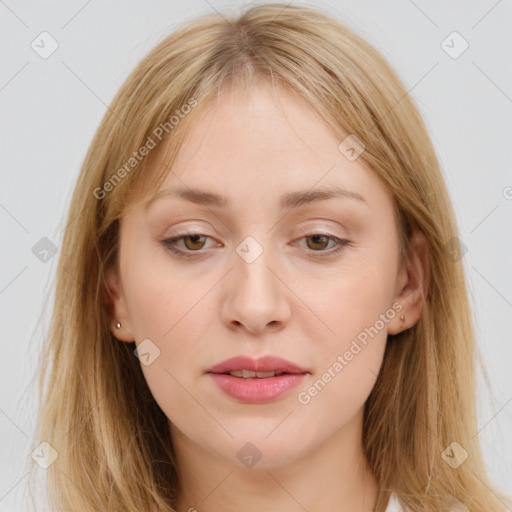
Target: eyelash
column 170, row 244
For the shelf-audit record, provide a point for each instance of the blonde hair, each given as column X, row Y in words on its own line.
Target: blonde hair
column 96, row 410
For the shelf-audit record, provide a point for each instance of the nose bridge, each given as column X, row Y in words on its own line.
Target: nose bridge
column 256, row 296
column 254, row 279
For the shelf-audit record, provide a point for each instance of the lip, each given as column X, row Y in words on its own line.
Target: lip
column 262, row 364
column 256, row 390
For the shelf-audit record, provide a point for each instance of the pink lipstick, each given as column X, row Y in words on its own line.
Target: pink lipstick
column 256, row 380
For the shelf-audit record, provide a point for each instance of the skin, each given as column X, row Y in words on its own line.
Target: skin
column 295, row 301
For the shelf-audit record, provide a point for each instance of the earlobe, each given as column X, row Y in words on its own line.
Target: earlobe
column 119, row 320
column 412, row 284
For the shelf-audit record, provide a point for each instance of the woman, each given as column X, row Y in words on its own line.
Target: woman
column 259, row 303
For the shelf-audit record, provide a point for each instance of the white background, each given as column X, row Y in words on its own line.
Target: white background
column 50, row 109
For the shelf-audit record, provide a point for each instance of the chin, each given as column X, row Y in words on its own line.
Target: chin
column 256, row 449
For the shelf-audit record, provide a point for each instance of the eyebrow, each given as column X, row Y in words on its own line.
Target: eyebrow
column 288, row 201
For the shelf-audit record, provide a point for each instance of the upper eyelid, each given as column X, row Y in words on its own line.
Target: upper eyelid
column 302, row 229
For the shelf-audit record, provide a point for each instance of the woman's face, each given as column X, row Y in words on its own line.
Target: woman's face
column 261, row 273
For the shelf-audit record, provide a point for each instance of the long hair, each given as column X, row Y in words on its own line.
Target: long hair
column 96, row 411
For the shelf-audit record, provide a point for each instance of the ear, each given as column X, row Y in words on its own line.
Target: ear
column 412, row 284
column 118, row 306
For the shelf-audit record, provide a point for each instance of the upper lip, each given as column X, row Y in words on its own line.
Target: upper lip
column 262, row 364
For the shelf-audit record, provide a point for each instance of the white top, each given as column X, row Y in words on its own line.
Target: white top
column 394, row 505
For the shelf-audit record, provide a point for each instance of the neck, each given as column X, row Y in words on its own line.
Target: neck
column 333, row 476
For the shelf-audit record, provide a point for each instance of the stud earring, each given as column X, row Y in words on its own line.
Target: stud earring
column 118, row 325
column 401, row 318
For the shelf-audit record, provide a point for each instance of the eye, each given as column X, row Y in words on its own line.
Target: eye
column 193, row 242
column 320, row 241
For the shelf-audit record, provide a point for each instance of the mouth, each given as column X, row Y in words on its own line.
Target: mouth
column 256, row 381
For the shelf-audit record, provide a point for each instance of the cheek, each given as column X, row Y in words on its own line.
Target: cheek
column 348, row 361
column 357, row 308
column 354, row 298
column 158, row 297
column 165, row 310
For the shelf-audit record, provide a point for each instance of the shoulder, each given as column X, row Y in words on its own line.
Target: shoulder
column 394, row 505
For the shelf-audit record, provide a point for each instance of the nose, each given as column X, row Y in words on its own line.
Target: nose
column 256, row 297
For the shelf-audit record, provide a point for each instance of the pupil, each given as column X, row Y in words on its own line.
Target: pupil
column 316, row 237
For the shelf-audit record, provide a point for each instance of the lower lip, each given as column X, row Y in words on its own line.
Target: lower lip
column 256, row 390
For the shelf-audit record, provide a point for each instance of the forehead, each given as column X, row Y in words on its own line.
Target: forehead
column 260, row 143
column 242, row 122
